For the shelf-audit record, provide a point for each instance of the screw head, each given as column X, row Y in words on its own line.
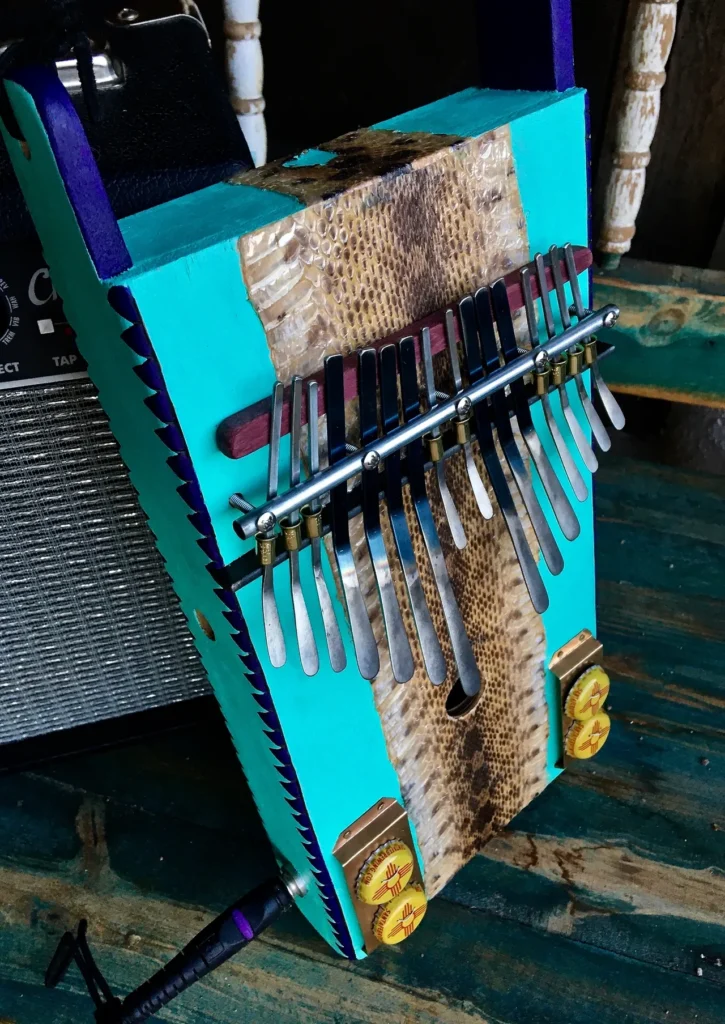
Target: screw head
column 266, row 521
column 127, row 16
column 541, row 361
column 611, row 317
column 371, row 460
column 463, row 407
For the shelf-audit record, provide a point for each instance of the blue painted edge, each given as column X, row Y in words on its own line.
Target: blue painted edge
column 78, row 168
column 122, row 302
column 527, row 45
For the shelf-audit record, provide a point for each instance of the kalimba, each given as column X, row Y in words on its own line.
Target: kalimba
column 353, row 392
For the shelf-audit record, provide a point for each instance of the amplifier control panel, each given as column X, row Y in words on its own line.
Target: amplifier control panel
column 37, row 345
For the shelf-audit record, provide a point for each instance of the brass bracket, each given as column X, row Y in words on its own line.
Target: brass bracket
column 578, row 654
column 384, row 821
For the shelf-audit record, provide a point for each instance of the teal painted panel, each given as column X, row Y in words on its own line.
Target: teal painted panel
column 474, row 111
column 311, row 158
column 554, row 196
column 186, row 225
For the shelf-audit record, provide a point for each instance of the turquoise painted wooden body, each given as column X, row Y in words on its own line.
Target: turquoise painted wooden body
column 313, row 749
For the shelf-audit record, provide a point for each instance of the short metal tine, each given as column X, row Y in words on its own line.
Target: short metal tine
column 366, row 651
column 401, row 656
column 462, row 651
column 558, row 500
column 270, row 613
column 597, row 427
column 547, row 543
column 570, row 467
column 435, row 664
column 305, row 637
column 335, row 646
column 585, row 450
column 436, row 447
column 610, row 403
column 477, row 485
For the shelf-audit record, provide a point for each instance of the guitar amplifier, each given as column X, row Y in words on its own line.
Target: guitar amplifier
column 91, row 628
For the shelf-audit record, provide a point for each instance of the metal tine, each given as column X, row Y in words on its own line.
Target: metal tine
column 335, row 646
column 270, row 613
column 477, row 485
column 468, row 672
column 292, row 527
column 598, row 429
column 570, row 467
column 366, row 651
column 549, row 548
column 484, row 432
column 401, row 656
column 560, row 504
column 435, row 663
column 588, row 456
column 610, row 403
column 449, row 506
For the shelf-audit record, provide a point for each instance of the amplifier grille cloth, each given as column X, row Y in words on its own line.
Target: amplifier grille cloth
column 90, row 627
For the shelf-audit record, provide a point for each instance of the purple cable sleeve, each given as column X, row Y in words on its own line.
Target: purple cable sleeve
column 243, row 925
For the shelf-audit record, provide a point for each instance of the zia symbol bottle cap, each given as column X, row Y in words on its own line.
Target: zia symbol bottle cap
column 584, row 739
column 588, row 694
column 398, row 919
column 385, row 873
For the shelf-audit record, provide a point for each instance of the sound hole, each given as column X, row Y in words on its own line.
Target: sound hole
column 458, row 703
column 206, row 626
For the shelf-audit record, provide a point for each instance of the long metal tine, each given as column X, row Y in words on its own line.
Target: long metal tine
column 270, row 613
column 598, row 429
column 570, row 467
column 435, row 663
column 401, row 656
column 547, row 543
column 305, row 637
column 449, row 506
column 477, row 485
column 610, row 403
column 585, row 450
column 468, row 672
column 484, row 433
column 366, row 651
column 560, row 504
column 335, row 646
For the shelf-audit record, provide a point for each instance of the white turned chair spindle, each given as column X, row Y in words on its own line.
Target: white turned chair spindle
column 642, row 75
column 245, row 68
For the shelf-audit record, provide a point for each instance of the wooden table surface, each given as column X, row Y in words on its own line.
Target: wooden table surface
column 603, row 902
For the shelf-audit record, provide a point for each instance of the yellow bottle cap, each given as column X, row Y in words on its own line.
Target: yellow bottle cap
column 385, row 873
column 399, row 918
column 588, row 694
column 584, row 739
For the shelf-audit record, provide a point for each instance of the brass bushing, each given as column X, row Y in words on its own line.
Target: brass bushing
column 575, row 360
column 463, row 430
column 590, row 351
column 558, row 370
column 313, row 522
column 435, row 447
column 292, row 535
column 542, row 379
column 266, row 549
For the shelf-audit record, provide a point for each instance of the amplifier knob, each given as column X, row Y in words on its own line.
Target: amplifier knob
column 399, row 918
column 385, row 873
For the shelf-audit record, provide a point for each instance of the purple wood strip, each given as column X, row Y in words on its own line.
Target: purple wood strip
column 247, row 431
column 526, row 44
column 78, row 170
